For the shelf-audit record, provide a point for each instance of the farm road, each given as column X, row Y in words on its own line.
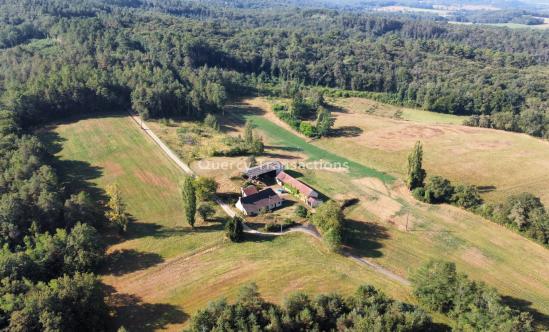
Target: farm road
column 309, row 229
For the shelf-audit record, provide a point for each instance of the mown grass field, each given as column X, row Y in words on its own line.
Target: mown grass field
column 161, row 269
column 388, row 226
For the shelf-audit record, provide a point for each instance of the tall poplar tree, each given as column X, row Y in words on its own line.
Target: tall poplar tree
column 416, row 174
column 189, row 200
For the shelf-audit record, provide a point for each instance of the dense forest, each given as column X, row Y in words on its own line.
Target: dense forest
column 165, row 58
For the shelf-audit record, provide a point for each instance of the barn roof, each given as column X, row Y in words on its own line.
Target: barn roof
column 305, row 190
column 267, row 167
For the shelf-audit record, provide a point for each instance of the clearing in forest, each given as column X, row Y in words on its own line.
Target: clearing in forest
column 161, row 271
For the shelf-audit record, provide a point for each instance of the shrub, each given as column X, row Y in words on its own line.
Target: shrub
column 206, row 211
column 438, row 190
column 287, row 223
column 307, row 129
column 419, row 194
column 329, row 220
column 466, row 197
column 234, row 229
column 211, row 121
column 271, row 226
column 279, row 108
column 301, row 211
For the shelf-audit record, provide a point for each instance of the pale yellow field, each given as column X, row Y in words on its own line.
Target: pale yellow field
column 504, row 163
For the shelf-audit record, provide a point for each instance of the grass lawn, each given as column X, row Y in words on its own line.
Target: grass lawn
column 161, row 269
column 281, row 136
column 378, row 227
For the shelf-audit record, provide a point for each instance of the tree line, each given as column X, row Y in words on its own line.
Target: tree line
column 437, row 286
column 176, row 58
column 49, row 240
column 523, row 212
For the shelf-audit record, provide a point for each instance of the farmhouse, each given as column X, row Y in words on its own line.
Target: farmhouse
column 271, row 168
column 306, row 193
column 263, row 200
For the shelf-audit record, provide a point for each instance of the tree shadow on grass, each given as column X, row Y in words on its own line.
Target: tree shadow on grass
column 228, row 197
column 524, row 305
column 236, row 115
column 258, row 237
column 279, row 156
column 336, row 109
column 136, row 315
column 283, row 148
column 346, row 131
column 125, row 261
column 142, row 229
column 362, row 238
column 74, row 175
column 486, row 189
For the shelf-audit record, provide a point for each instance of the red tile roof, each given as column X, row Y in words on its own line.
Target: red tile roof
column 249, row 190
column 303, row 189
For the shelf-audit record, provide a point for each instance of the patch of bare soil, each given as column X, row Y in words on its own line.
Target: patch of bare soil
column 373, row 183
column 475, row 257
column 112, row 169
column 157, row 282
column 153, row 179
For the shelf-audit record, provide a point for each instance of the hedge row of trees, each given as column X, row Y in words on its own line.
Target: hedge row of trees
column 524, row 212
column 367, row 310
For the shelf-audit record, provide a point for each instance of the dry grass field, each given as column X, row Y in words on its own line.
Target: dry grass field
column 389, row 227
column 161, row 271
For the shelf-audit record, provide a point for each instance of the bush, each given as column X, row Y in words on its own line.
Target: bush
column 438, row 190
column 271, row 226
column 206, row 211
column 419, row 194
column 279, row 108
column 329, row 220
column 211, row 121
column 287, row 223
column 466, row 197
column 307, row 129
column 234, row 229
column 301, row 211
